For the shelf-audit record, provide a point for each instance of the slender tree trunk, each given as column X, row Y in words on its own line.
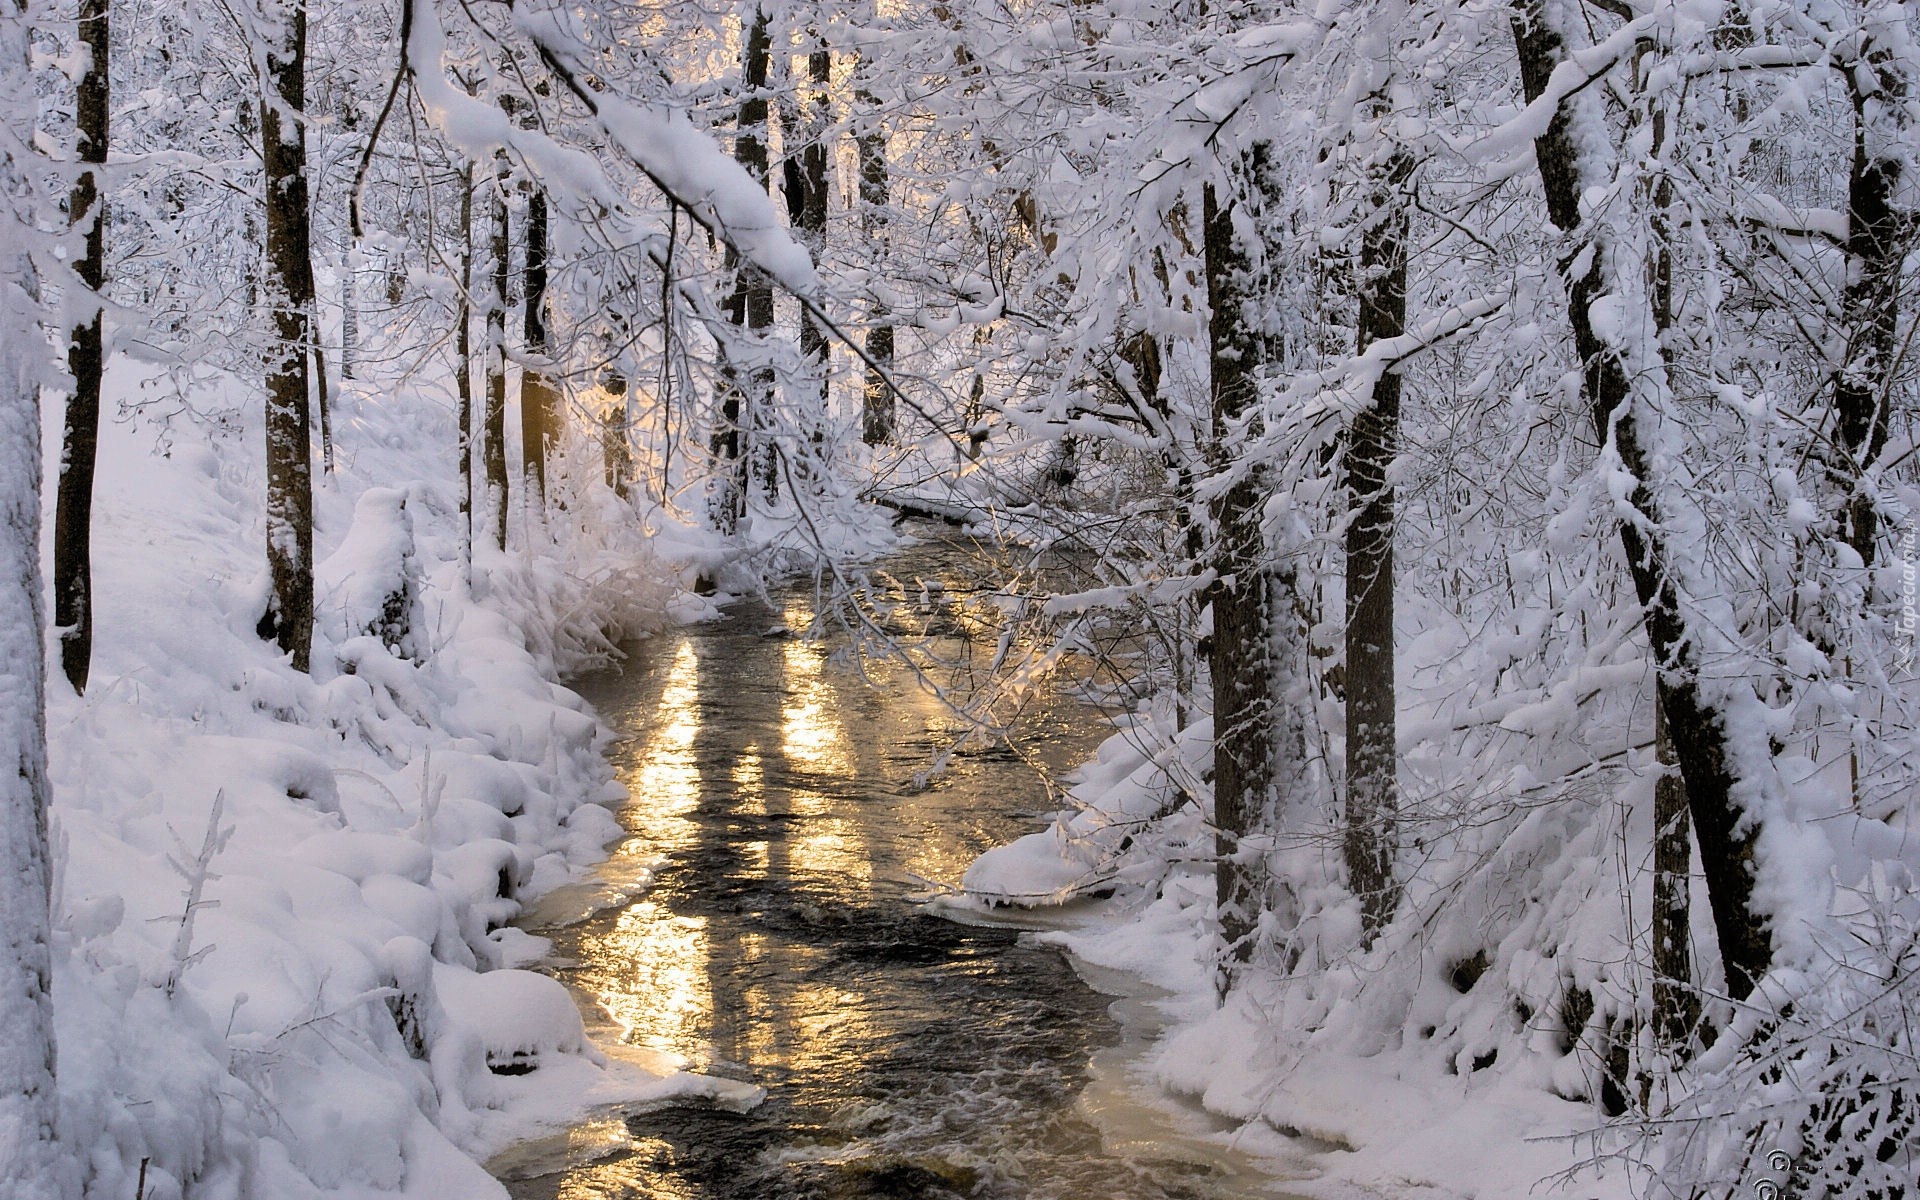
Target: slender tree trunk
column 975, row 413
column 73, row 501
column 1372, row 443
column 538, row 400
column 1699, row 731
column 740, row 440
column 349, row 309
column 494, row 448
column 1243, row 595
column 1676, row 1005
column 320, row 395
column 727, row 445
column 289, row 291
column 813, row 233
column 1878, row 236
column 870, row 152
column 243, row 121
column 350, row 245
column 876, row 411
column 616, row 420
column 463, row 367
column 1141, row 352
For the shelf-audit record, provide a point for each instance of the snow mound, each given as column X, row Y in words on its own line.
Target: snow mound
column 521, row 1018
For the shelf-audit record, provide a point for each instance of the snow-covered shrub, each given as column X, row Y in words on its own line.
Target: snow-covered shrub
column 1815, row 1083
column 372, row 579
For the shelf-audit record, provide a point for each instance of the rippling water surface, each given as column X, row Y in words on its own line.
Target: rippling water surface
column 783, row 825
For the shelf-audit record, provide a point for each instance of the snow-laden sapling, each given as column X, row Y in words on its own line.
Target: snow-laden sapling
column 197, row 870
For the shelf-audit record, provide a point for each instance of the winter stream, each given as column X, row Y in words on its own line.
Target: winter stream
column 763, row 922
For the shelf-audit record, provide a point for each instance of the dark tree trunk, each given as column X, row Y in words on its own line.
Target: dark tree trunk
column 494, row 439
column 810, row 219
column 870, row 150
column 741, row 440
column 1243, row 595
column 1372, row 443
column 1676, row 1004
column 290, row 293
column 753, row 286
column 616, row 424
column 73, row 501
column 1878, row 234
column 322, row 404
column 538, row 399
column 1699, row 732
column 1141, row 353
column 730, row 495
column 976, row 411
column 876, row 410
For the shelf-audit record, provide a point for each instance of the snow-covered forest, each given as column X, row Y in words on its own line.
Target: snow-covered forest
column 1486, row 430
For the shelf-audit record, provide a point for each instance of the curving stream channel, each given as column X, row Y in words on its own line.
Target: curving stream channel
column 761, row 923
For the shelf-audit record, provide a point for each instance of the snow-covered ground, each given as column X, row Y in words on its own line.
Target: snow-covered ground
column 281, row 966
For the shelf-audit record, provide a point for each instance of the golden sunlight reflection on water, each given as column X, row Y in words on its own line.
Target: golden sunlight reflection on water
column 653, row 971
column 779, row 815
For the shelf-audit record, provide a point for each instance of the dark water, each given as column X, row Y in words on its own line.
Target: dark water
column 782, row 813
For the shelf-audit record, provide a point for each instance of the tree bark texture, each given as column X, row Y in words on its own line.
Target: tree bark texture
column 494, row 435
column 1698, row 731
column 73, row 500
column 1372, row 442
column 289, row 294
column 539, row 400
column 1676, row 1003
column 870, row 158
column 876, row 407
column 349, row 310
column 1243, row 594
column 740, row 440
column 807, row 210
column 1879, row 234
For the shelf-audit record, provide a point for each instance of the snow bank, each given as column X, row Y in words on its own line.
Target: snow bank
column 1124, row 792
column 1491, row 1039
column 1384, row 1059
column 281, row 971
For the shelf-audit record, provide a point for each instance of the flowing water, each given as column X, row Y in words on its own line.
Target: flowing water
column 762, row 924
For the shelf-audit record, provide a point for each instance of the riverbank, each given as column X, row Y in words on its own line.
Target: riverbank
column 282, row 964
column 1360, row 1111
